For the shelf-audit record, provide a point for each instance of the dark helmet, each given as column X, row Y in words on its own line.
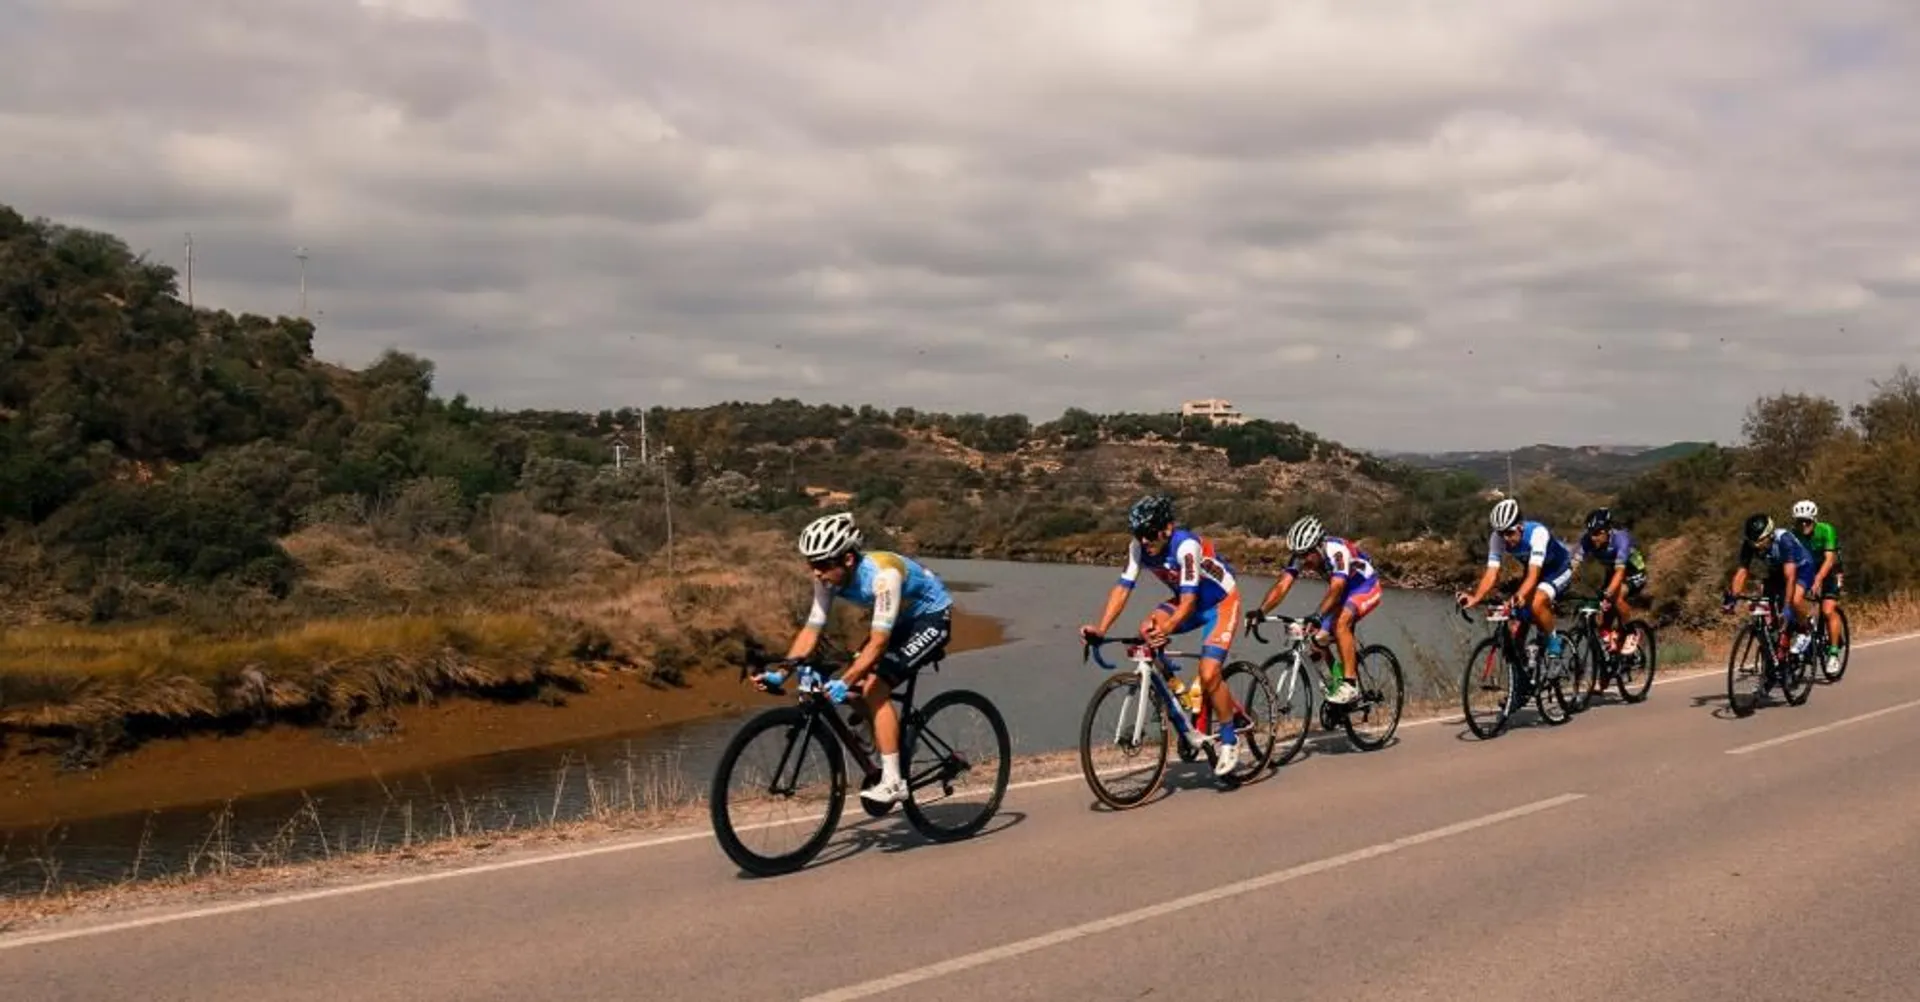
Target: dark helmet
column 1150, row 514
column 1757, row 527
column 1599, row 518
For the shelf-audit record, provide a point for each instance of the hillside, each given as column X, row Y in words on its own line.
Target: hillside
column 202, row 524
column 1589, row 467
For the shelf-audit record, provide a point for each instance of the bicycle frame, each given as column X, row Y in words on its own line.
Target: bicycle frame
column 1155, row 669
column 810, row 686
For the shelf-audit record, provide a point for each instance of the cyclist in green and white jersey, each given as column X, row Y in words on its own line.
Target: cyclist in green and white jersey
column 1824, row 543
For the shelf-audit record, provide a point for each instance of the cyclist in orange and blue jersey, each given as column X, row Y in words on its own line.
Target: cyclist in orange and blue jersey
column 1207, row 598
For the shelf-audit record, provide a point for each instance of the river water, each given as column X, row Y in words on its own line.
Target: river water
column 1036, row 679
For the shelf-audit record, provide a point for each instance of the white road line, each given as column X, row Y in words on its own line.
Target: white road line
column 1823, row 728
column 558, row 857
column 418, row 878
column 1009, row 950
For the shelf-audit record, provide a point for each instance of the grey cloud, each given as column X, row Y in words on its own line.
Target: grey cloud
column 1572, row 221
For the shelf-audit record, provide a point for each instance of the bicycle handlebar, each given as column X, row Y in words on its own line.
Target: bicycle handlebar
column 1253, row 625
column 1090, row 648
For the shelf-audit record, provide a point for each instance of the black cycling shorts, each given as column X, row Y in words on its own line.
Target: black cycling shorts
column 912, row 645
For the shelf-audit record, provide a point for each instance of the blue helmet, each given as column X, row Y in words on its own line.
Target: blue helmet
column 1150, row 514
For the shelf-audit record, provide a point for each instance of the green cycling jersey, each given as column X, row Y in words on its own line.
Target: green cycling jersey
column 1822, row 541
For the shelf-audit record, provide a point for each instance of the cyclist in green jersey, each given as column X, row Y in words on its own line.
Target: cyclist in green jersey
column 1824, row 543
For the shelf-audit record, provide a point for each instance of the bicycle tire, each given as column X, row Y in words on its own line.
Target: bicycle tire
column 1249, row 768
column 1747, row 638
column 916, row 815
column 1399, row 699
column 1647, row 653
column 1556, row 691
column 1581, row 638
column 1798, row 682
column 1846, row 647
column 1287, row 748
column 1100, row 791
column 815, row 732
column 1488, row 647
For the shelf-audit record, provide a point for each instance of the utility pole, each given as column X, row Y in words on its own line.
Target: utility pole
column 619, row 453
column 643, row 438
column 301, row 253
column 189, row 271
column 1509, row 474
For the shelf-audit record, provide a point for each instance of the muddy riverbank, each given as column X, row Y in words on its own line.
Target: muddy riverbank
column 36, row 790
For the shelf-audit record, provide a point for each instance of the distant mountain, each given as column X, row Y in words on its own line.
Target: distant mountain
column 1591, row 467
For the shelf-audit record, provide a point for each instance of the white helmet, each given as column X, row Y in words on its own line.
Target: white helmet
column 1505, row 515
column 1806, row 509
column 1305, row 534
column 829, row 536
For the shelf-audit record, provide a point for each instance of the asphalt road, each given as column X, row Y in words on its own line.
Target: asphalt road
column 1658, row 851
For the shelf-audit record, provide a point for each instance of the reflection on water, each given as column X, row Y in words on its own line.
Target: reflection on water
column 1037, row 679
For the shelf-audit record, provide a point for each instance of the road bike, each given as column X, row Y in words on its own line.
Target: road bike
column 1630, row 674
column 1501, row 662
column 1147, row 700
column 815, row 730
column 1761, row 639
column 1290, row 672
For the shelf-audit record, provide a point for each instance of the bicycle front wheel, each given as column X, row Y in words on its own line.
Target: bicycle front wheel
column 1746, row 669
column 1489, row 676
column 1124, row 740
column 958, row 760
column 1294, row 704
column 1383, row 695
column 784, row 763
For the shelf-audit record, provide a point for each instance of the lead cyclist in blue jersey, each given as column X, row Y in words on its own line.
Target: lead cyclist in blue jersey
column 912, row 623
column 1790, row 572
column 1548, row 561
column 1207, row 597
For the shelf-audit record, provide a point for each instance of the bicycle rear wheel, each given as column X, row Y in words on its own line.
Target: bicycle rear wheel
column 1797, row 677
column 1256, row 725
column 1123, row 742
column 1488, row 673
column 1561, row 693
column 964, row 743
column 1633, row 673
column 1370, row 723
column 793, row 738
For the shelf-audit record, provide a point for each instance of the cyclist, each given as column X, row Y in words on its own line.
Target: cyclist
column 1823, row 544
column 1790, row 572
column 912, row 623
column 1625, row 567
column 1548, row 561
column 1353, row 588
column 1206, row 597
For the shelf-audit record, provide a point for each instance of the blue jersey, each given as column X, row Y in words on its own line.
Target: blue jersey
column 1786, row 548
column 1189, row 566
column 893, row 586
column 1537, row 548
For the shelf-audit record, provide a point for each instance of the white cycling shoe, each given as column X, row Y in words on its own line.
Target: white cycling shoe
column 1226, row 758
column 885, row 792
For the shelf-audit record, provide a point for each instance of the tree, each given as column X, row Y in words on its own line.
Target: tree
column 1784, row 431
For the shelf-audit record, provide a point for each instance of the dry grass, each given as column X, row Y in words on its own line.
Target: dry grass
column 105, row 689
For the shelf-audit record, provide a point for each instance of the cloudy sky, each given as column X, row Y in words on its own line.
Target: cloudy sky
column 1402, row 224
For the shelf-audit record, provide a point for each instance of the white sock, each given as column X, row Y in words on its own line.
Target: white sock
column 890, row 767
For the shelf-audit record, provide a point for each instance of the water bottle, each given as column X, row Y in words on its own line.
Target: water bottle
column 1800, row 643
